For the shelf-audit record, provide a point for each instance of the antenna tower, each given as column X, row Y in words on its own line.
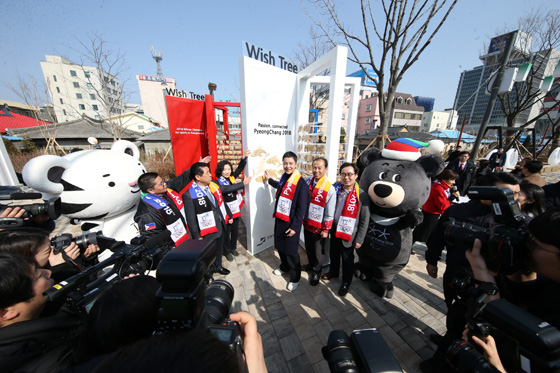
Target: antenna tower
column 157, row 56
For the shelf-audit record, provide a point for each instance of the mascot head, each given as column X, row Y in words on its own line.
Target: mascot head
column 92, row 184
column 398, row 178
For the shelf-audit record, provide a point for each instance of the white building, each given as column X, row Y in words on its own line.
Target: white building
column 76, row 89
column 153, row 97
column 439, row 120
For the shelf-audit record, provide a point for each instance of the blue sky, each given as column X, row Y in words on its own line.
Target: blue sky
column 202, row 40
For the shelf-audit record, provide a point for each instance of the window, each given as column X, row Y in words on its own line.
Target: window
column 91, row 96
column 108, row 90
column 79, row 95
column 368, row 107
column 399, row 100
column 82, row 107
column 89, row 85
column 87, row 74
column 76, row 84
column 409, row 101
column 62, row 102
column 114, row 92
column 368, row 120
column 95, row 107
column 113, row 83
column 97, row 117
column 54, row 77
column 73, row 73
column 57, row 90
column 105, row 79
column 343, row 115
column 63, row 112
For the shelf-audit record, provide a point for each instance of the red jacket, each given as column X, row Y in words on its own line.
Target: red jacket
column 438, row 200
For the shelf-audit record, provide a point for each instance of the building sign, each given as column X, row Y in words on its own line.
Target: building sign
column 155, row 78
column 366, row 81
column 183, row 94
column 267, row 56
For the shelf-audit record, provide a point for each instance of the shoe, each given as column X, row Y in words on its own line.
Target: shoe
column 278, row 272
column 436, row 339
column 390, row 291
column 221, row 270
column 235, row 253
column 229, row 257
column 343, row 289
column 314, row 279
column 292, row 286
column 327, row 276
column 306, row 268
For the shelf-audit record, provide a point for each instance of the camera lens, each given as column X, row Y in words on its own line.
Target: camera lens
column 87, row 239
column 462, row 356
column 338, row 353
column 218, row 298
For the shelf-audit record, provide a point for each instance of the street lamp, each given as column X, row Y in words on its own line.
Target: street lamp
column 212, row 87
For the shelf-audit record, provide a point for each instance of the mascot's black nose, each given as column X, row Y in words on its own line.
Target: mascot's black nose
column 382, row 190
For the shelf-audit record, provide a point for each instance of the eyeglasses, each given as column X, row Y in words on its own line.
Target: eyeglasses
column 343, row 175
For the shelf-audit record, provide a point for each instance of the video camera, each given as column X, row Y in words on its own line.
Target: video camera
column 62, row 241
column 189, row 300
column 83, row 289
column 503, row 245
column 52, row 207
column 364, row 351
column 532, row 343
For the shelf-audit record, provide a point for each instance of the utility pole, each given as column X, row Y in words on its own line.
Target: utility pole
column 495, row 87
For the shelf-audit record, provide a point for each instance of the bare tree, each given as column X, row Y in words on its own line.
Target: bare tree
column 107, row 79
column 36, row 95
column 391, row 37
column 540, row 50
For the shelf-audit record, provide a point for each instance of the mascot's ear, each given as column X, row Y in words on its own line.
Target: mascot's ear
column 432, row 164
column 124, row 146
column 44, row 173
column 367, row 157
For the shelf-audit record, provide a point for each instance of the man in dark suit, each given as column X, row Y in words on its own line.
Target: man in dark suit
column 289, row 210
column 351, row 220
column 466, row 169
column 207, row 213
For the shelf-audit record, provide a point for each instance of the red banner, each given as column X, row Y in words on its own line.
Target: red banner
column 187, row 126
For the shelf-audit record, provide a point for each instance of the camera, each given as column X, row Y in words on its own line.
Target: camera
column 503, row 245
column 52, row 207
column 529, row 342
column 62, row 241
column 364, row 351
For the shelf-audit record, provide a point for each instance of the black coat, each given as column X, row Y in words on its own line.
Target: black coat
column 466, row 176
column 192, row 220
column 283, row 243
column 42, row 345
column 146, row 214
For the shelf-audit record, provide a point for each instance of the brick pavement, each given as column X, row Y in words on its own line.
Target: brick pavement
column 294, row 326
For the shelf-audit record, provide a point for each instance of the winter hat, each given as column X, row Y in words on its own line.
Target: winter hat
column 409, row 150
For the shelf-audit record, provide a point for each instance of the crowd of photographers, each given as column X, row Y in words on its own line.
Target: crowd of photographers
column 117, row 333
column 41, row 331
column 497, row 251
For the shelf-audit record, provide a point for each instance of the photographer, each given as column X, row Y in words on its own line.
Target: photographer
column 35, row 244
column 537, row 289
column 479, row 213
column 29, row 342
column 192, row 351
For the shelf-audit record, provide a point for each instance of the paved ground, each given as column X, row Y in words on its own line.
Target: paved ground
column 295, row 326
